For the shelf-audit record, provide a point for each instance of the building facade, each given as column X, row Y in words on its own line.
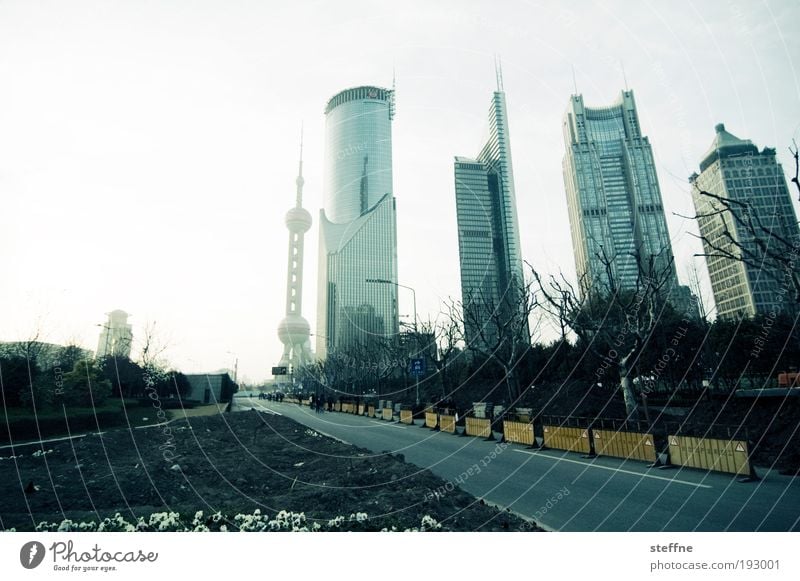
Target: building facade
column 613, row 197
column 357, row 293
column 735, row 169
column 488, row 229
column 116, row 337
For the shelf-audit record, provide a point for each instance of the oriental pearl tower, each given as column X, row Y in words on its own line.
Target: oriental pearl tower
column 294, row 330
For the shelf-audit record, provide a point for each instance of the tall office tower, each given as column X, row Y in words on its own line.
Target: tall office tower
column 488, row 231
column 613, row 197
column 294, row 331
column 733, row 168
column 116, row 337
column 357, row 291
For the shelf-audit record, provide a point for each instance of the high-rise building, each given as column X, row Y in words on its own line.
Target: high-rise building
column 488, row 231
column 613, row 197
column 116, row 337
column 735, row 169
column 357, row 294
column 294, row 331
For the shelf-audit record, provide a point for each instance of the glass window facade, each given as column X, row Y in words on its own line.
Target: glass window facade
column 613, row 196
column 488, row 230
column 358, row 227
column 729, row 170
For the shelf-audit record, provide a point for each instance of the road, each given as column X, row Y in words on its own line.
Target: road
column 563, row 491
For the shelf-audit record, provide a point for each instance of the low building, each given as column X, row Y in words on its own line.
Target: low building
column 210, row 388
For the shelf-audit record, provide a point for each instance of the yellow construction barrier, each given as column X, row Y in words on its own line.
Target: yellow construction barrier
column 371, row 411
column 710, row 454
column 447, row 423
column 518, row 432
column 388, row 414
column 338, row 406
column 567, row 438
column 430, row 419
column 480, row 427
column 406, row 417
column 633, row 445
column 361, row 408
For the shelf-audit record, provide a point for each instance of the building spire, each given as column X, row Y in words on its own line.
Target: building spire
column 300, row 181
column 498, row 73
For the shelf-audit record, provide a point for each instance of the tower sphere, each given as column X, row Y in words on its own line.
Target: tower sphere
column 293, row 330
column 298, row 220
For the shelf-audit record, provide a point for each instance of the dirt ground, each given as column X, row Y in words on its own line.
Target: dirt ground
column 233, row 463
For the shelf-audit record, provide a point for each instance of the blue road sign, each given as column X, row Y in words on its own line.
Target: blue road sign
column 418, row 366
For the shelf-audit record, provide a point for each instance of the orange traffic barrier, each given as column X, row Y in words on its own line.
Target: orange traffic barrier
column 431, row 419
column 631, row 445
column 710, row 454
column 480, row 427
column 447, row 423
column 519, row 432
column 566, row 438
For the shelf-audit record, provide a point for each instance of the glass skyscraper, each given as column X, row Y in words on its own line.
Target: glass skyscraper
column 358, row 227
column 488, row 231
column 613, row 196
column 734, row 169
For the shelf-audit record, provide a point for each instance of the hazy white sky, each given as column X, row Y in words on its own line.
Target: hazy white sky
column 148, row 149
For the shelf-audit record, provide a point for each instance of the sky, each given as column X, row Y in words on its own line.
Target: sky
column 148, row 149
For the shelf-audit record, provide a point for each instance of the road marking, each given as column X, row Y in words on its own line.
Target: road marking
column 383, row 423
column 591, row 465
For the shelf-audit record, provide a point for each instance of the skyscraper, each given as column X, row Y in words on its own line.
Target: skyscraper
column 358, row 228
column 734, row 169
column 116, row 337
column 294, row 331
column 613, row 196
column 488, row 231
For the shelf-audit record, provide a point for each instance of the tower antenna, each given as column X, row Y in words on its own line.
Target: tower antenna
column 574, row 81
column 624, row 78
column 300, row 181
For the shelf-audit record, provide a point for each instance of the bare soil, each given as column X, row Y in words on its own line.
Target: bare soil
column 233, row 463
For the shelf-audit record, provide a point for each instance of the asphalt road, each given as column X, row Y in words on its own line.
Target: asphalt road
column 563, row 491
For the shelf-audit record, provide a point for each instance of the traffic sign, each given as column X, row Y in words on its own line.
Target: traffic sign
column 418, row 366
column 279, row 370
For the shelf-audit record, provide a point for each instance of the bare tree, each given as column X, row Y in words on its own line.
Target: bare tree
column 618, row 320
column 743, row 234
column 498, row 330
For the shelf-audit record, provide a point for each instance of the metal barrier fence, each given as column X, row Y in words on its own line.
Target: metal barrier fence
column 431, row 419
column 447, row 423
column 567, row 438
column 518, row 432
column 730, row 456
column 480, row 427
column 632, row 445
column 406, row 417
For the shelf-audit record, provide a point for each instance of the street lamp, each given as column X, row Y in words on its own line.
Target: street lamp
column 413, row 292
column 414, row 297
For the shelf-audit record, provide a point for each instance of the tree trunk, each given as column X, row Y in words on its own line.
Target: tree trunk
column 631, row 406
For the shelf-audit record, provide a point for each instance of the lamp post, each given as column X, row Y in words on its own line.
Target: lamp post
column 108, row 332
column 413, row 293
column 414, row 297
